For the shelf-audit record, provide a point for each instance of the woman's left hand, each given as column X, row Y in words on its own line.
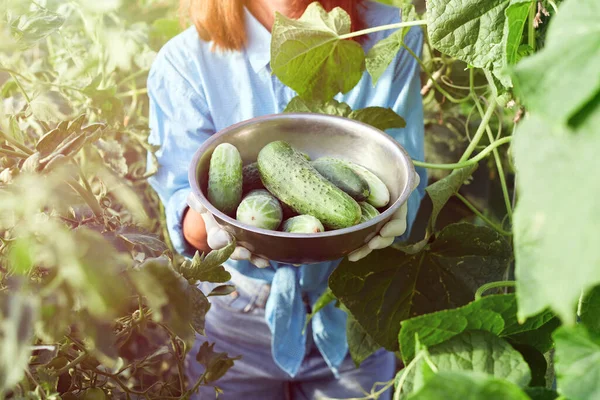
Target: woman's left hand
column 395, row 227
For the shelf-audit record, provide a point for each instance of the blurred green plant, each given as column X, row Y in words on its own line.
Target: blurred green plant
column 93, row 304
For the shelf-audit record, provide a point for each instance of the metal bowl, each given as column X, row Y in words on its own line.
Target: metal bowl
column 317, row 135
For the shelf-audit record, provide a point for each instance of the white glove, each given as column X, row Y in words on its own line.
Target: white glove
column 395, row 227
column 217, row 237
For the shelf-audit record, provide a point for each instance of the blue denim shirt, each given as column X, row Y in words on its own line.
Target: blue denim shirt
column 195, row 92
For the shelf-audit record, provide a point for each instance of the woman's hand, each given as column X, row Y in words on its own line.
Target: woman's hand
column 216, row 236
column 395, row 227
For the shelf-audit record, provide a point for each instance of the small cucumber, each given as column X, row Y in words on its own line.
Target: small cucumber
column 295, row 182
column 303, row 224
column 260, row 209
column 368, row 211
column 379, row 195
column 251, row 178
column 225, row 178
column 337, row 172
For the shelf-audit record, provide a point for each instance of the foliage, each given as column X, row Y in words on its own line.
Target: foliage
column 93, row 304
column 493, row 68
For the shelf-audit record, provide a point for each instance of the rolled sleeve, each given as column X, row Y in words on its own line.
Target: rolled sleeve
column 409, row 104
column 179, row 123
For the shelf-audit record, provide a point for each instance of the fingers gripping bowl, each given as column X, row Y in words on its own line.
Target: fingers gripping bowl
column 318, row 136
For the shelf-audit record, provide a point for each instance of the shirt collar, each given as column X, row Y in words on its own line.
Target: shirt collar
column 258, row 46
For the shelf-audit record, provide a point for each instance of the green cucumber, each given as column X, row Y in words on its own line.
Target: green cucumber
column 260, row 209
column 379, row 195
column 341, row 175
column 305, row 155
column 295, row 182
column 368, row 211
column 225, row 178
column 303, row 224
column 251, row 178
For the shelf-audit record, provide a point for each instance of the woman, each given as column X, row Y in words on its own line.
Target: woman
column 216, row 74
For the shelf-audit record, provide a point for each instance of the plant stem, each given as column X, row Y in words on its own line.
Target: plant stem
column 11, row 153
column 492, row 285
column 132, row 76
column 432, row 79
column 73, row 363
column 469, row 162
column 553, row 4
column 14, row 77
column 87, row 196
column 499, row 167
column 15, row 143
column 485, row 219
column 531, row 27
column 382, row 28
column 133, row 93
column 480, row 131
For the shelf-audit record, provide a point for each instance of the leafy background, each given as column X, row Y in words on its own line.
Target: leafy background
column 482, row 302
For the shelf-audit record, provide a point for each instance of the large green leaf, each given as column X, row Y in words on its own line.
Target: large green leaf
column 360, row 344
column 566, row 68
column 496, row 314
column 577, row 363
column 379, row 117
column 481, row 351
column 389, row 286
column 308, row 56
column 554, row 220
column 590, row 310
column 468, row 386
column 483, row 33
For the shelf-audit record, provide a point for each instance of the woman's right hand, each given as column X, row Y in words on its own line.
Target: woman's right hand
column 207, row 233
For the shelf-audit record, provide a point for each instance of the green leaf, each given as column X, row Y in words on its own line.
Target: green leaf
column 199, row 306
column 468, row 386
column 217, row 364
column 496, row 314
column 482, row 33
column 441, row 191
column 590, row 310
column 308, row 56
column 553, row 223
column 539, row 338
column 210, row 268
column 113, row 155
column 383, row 52
column 331, row 107
column 389, row 286
column 481, row 351
column 18, row 314
column 222, row 290
column 379, row 117
column 577, row 363
column 34, row 26
column 360, row 344
column 536, row 361
column 566, row 68
column 516, row 16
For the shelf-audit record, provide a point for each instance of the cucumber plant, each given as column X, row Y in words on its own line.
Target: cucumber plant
column 478, row 307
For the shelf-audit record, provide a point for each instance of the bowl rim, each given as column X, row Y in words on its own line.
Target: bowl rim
column 197, row 191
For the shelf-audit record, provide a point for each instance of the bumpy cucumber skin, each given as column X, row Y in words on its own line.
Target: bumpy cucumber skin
column 260, row 209
column 303, row 224
column 342, row 176
column 368, row 211
column 379, row 195
column 225, row 178
column 251, row 178
column 294, row 181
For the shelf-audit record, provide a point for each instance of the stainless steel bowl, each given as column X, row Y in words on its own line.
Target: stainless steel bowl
column 317, row 135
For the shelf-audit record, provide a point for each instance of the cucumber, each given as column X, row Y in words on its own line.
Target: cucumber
column 305, row 155
column 368, row 211
column 303, row 224
column 260, row 209
column 225, row 178
column 379, row 195
column 337, row 172
column 295, row 182
column 251, row 178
